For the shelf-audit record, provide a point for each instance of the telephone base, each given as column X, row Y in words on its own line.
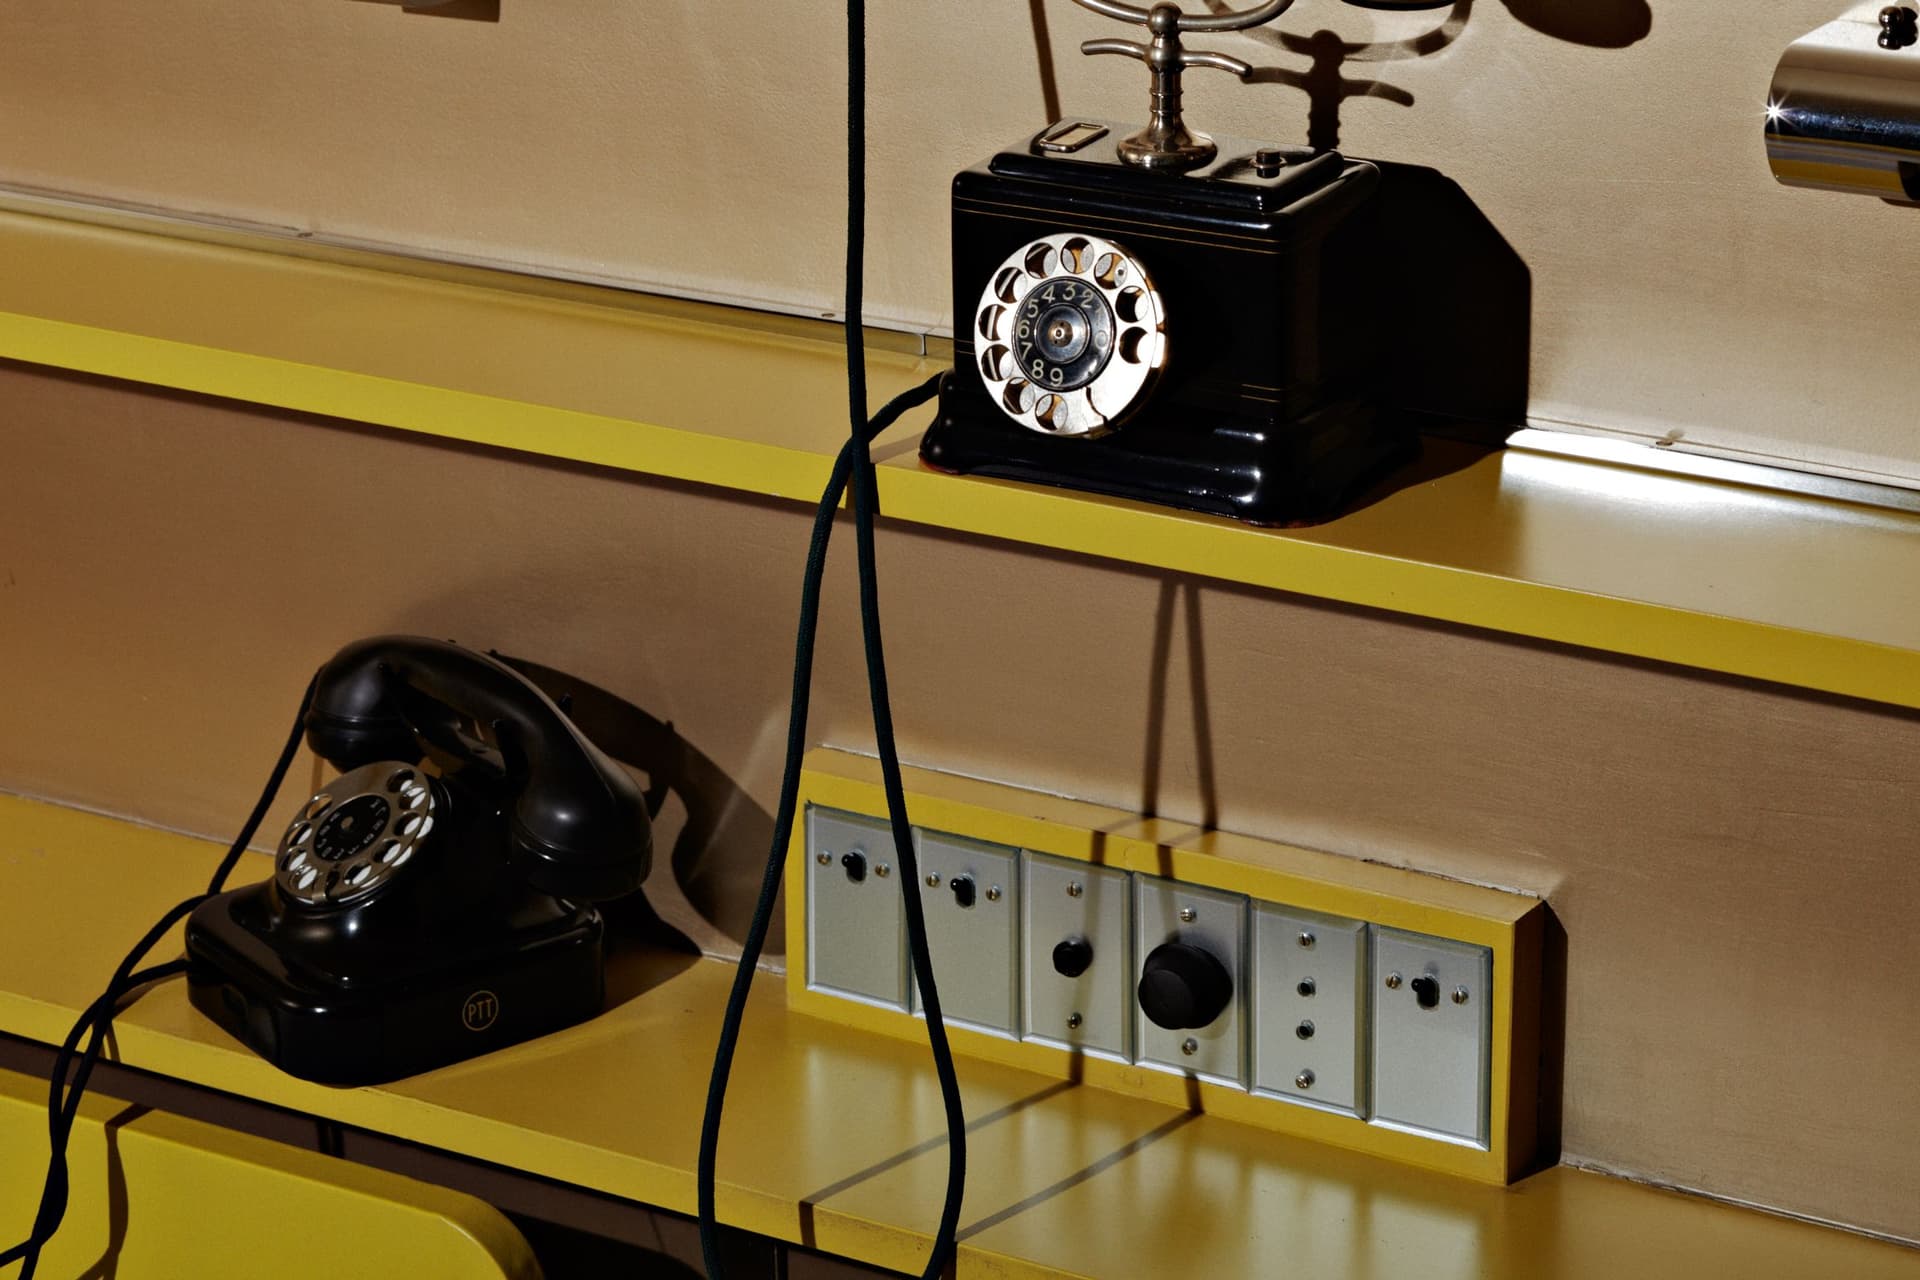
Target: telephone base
column 1297, row 472
column 452, row 1003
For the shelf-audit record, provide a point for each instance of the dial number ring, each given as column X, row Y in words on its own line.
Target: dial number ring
column 354, row 837
column 1073, row 335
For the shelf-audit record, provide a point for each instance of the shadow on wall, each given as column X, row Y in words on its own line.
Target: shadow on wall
column 1597, row 24
column 721, row 849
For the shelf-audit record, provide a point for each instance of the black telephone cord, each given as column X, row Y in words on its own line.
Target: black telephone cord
column 63, row 1097
column 855, row 462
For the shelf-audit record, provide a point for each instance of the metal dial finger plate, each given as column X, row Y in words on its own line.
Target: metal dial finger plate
column 355, row 835
column 1071, row 335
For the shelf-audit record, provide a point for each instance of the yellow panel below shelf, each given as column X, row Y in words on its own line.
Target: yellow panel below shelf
column 834, row 1138
column 157, row 1197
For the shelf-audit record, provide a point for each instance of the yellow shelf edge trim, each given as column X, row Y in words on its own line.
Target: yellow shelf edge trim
column 794, row 467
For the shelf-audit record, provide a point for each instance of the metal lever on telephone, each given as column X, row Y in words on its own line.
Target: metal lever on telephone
column 1166, row 143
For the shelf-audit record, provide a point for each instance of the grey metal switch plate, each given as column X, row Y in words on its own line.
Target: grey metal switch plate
column 856, row 930
column 1219, row 925
column 975, row 948
column 1067, row 900
column 1310, row 1008
column 1431, row 1065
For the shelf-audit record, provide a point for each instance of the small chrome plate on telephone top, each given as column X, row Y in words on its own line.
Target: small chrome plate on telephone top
column 355, row 835
column 1069, row 135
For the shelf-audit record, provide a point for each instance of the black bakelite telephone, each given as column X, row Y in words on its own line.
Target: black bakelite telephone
column 419, row 916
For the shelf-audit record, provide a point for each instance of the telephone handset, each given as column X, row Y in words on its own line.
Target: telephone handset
column 417, row 916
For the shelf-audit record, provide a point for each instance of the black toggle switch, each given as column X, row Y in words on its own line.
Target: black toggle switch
column 1183, row 987
column 1426, row 989
column 962, row 887
column 1072, row 957
column 856, row 865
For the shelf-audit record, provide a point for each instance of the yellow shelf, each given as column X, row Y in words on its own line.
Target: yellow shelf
column 1798, row 589
column 833, row 1137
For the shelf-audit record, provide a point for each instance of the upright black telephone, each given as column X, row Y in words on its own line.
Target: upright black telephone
column 1160, row 315
column 419, row 916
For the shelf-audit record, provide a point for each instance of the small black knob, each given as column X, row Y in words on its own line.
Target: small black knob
column 962, row 887
column 1426, row 990
column 1072, row 957
column 856, row 865
column 1183, row 987
column 1899, row 27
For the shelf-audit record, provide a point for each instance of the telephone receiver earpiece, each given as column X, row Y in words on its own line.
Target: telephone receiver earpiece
column 578, row 825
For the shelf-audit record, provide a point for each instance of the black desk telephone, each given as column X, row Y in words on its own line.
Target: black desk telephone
column 1163, row 317
column 418, row 917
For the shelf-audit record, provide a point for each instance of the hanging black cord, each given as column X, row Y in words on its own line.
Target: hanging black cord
column 96, row 1020
column 855, row 463
column 755, row 942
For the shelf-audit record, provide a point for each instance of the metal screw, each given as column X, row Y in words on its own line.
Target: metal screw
column 1074, row 890
column 882, row 870
column 824, row 858
column 1393, row 982
column 1304, row 1080
column 933, row 879
column 1304, row 1030
column 1306, row 987
column 1459, row 995
column 1073, row 1021
column 1190, row 1046
column 1306, row 939
column 993, row 893
column 1187, row 914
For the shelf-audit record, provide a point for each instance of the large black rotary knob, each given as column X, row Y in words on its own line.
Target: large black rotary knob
column 1183, row 987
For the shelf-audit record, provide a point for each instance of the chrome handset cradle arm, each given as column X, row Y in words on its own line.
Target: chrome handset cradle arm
column 1166, row 143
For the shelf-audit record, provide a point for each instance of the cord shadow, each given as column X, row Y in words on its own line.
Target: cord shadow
column 1186, row 593
column 809, row 1203
column 1078, row 1177
column 1043, row 56
column 107, row 1265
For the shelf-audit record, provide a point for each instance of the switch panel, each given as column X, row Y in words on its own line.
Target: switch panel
column 1190, row 949
column 1298, row 991
column 970, row 893
column 1432, row 1028
column 1310, row 1008
column 856, row 923
column 1079, row 956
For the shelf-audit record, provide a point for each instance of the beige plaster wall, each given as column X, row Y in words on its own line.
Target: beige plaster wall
column 694, row 147
column 1732, row 864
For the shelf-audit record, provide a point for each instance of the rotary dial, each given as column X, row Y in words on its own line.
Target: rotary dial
column 1071, row 335
column 354, row 836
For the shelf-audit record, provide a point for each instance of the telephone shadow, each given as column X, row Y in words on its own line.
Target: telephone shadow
column 722, row 843
column 1454, row 330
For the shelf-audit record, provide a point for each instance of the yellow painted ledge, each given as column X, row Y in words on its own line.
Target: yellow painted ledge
column 1797, row 589
column 834, row 1137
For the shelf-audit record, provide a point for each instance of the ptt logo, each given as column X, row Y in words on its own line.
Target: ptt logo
column 481, row 1009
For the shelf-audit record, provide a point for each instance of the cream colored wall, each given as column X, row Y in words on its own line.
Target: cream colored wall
column 675, row 145
column 1732, row 864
